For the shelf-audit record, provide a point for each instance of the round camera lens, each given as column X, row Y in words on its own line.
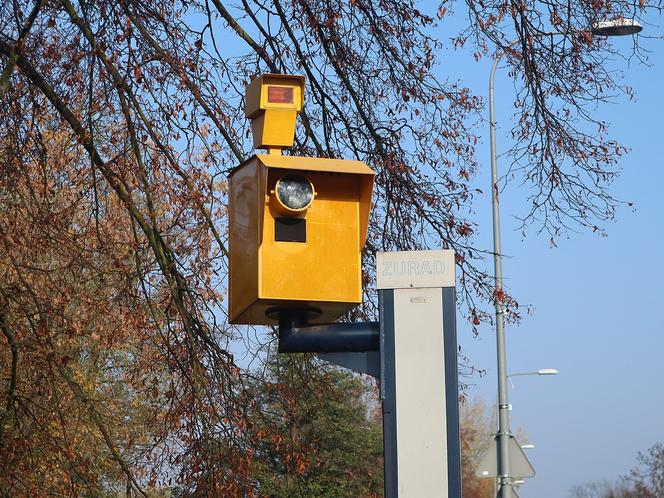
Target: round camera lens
column 295, row 192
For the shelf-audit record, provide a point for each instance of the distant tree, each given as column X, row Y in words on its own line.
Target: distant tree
column 647, row 477
column 645, row 480
column 317, row 431
column 478, row 427
column 603, row 489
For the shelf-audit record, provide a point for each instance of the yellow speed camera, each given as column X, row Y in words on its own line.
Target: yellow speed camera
column 297, row 229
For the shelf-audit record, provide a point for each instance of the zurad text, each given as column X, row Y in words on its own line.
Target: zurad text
column 425, row 267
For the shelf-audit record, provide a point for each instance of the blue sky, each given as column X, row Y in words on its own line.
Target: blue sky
column 597, row 302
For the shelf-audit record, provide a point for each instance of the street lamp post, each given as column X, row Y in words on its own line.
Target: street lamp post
column 541, row 371
column 616, row 27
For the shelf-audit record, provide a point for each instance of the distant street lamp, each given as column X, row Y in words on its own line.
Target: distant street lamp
column 541, row 371
column 615, row 27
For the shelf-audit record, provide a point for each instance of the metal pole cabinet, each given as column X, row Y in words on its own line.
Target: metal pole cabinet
column 419, row 374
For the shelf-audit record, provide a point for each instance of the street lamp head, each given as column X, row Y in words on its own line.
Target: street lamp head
column 547, row 371
column 616, row 27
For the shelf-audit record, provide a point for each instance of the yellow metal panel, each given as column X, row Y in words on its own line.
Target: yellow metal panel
column 252, row 99
column 245, row 202
column 366, row 189
column 327, row 266
column 366, row 178
column 315, row 164
column 274, row 127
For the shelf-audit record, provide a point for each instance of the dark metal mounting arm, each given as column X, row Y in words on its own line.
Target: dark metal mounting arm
column 331, row 338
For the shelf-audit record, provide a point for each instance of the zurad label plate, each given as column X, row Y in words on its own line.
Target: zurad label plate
column 416, row 269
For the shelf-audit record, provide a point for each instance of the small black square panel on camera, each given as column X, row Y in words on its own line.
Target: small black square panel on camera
column 290, row 229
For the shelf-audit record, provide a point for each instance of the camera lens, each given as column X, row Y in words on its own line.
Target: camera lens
column 295, row 192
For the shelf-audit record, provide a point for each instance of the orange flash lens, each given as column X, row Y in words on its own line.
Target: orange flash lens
column 279, row 95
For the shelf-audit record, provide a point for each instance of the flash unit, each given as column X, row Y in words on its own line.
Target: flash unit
column 294, row 194
column 272, row 103
column 279, row 95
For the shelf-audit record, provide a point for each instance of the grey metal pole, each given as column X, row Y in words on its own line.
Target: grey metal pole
column 502, row 438
column 506, row 490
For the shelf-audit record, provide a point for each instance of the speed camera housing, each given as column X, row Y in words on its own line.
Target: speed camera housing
column 297, row 229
